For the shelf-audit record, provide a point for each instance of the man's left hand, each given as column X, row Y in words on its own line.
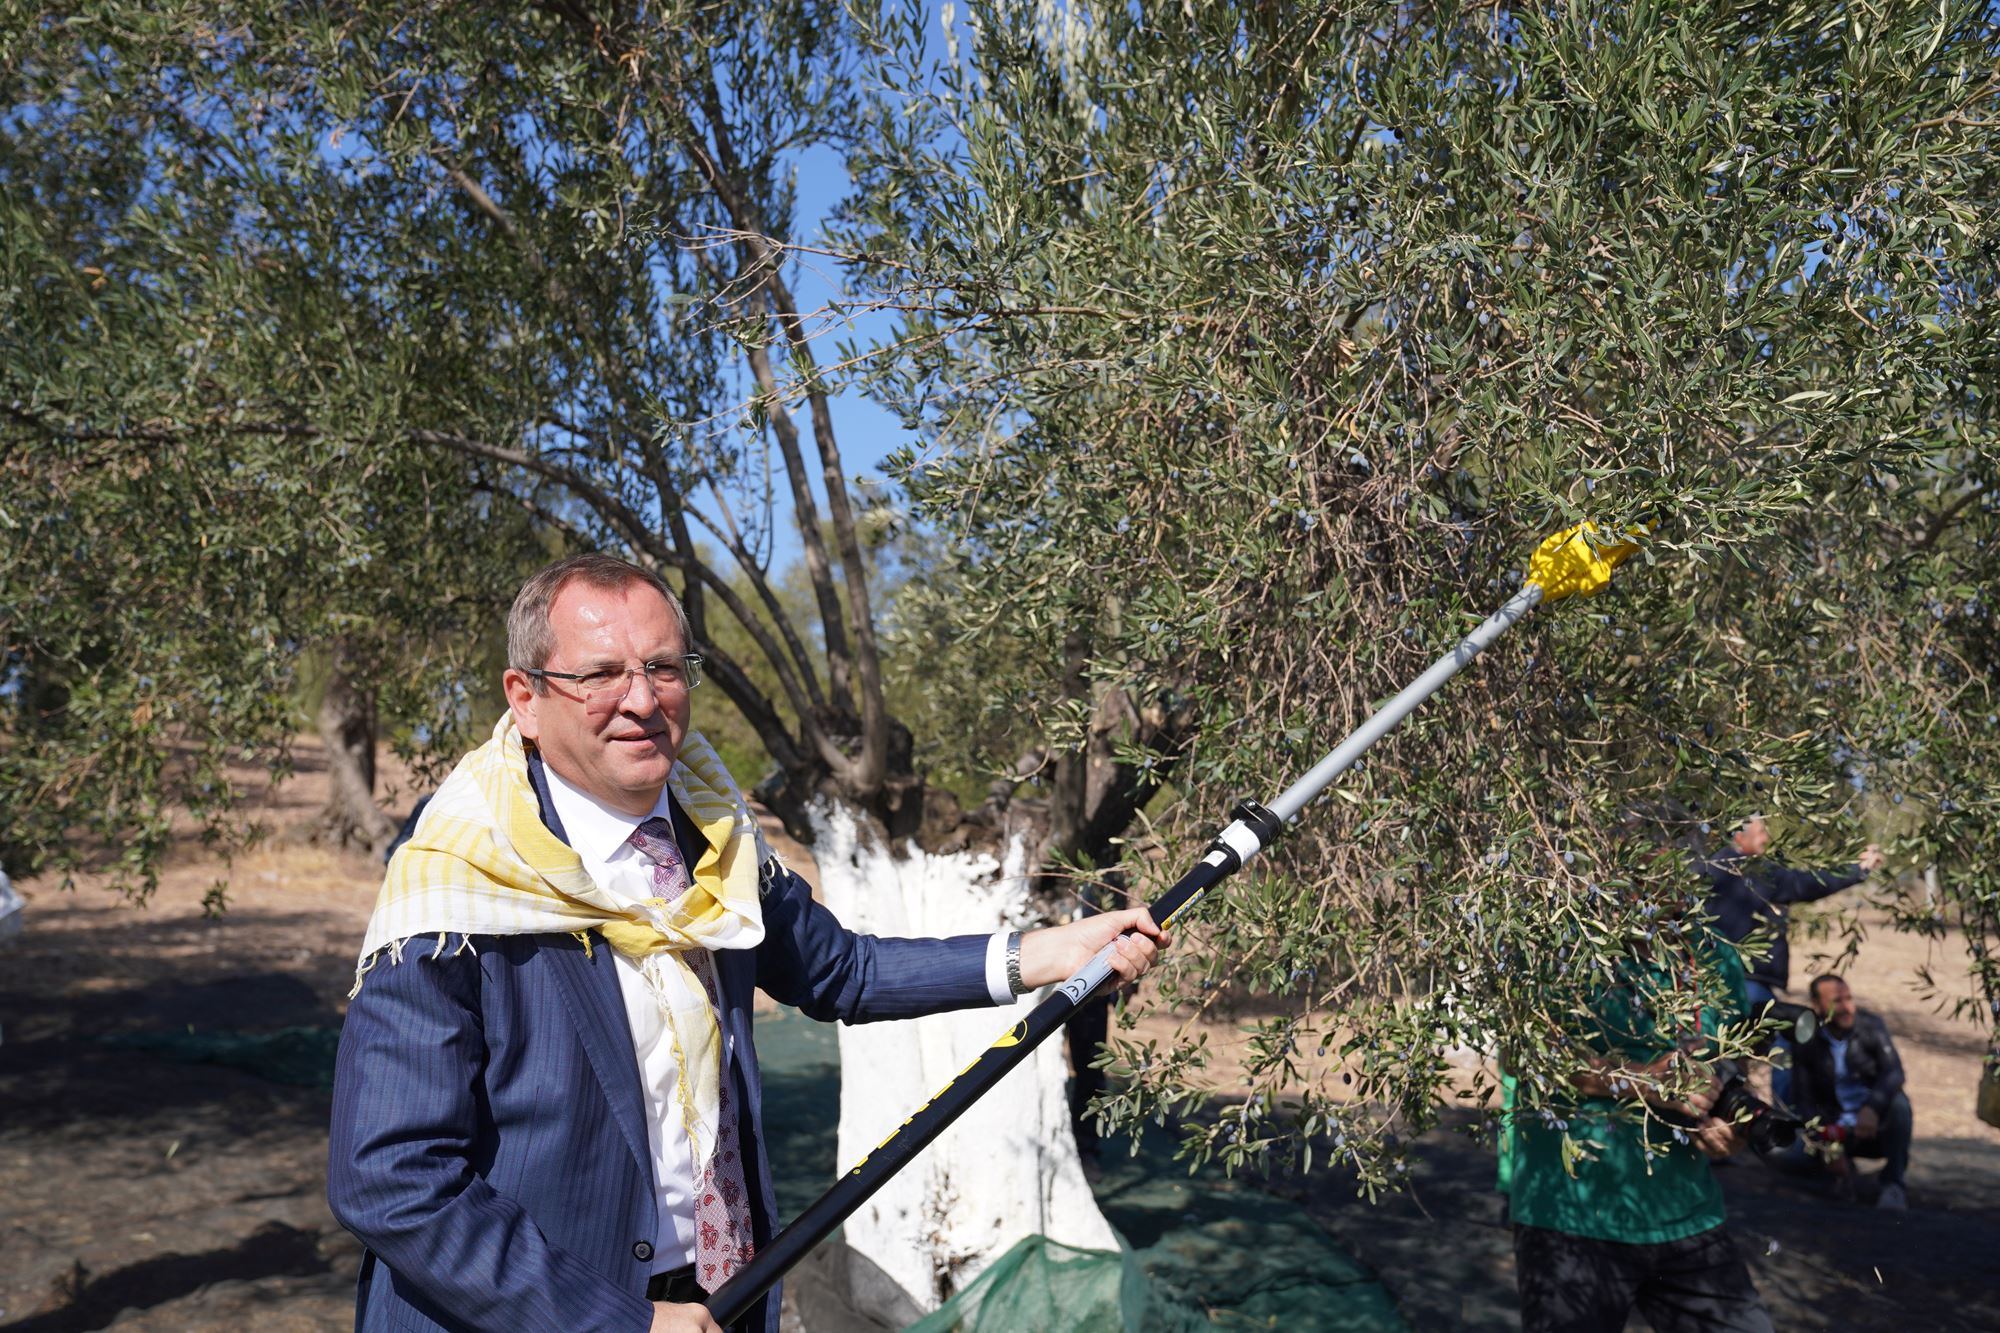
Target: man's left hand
column 1867, row 1123
column 1055, row 954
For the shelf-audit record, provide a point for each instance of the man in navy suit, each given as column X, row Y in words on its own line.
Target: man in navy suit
column 505, row 1139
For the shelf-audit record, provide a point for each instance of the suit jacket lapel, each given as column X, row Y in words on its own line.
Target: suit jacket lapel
column 589, row 985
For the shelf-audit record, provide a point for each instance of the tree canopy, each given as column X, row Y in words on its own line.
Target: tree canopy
column 372, row 308
column 209, row 372
column 1247, row 349
column 1252, row 348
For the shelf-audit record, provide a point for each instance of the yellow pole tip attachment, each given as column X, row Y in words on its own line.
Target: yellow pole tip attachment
column 1578, row 562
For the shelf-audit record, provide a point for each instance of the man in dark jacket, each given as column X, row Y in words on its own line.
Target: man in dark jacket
column 1747, row 891
column 1850, row 1076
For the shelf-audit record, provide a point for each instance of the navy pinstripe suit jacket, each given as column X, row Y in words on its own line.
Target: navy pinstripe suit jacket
column 488, row 1143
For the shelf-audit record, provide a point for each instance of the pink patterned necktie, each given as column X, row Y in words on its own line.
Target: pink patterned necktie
column 721, row 1194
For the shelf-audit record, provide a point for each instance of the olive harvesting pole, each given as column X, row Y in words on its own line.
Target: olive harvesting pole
column 1576, row 561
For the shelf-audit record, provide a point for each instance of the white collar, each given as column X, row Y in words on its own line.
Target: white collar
column 596, row 831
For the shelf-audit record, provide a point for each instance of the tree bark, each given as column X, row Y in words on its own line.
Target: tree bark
column 347, row 726
column 1009, row 1167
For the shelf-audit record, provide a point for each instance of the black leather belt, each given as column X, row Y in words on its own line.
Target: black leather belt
column 676, row 1285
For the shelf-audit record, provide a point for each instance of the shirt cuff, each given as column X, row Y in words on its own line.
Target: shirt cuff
column 996, row 968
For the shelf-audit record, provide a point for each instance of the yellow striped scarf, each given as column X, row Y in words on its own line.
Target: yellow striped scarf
column 481, row 862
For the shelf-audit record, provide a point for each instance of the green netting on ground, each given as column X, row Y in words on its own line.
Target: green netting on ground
column 1204, row 1251
column 1042, row 1285
column 1221, row 1253
column 302, row 1055
column 801, row 1063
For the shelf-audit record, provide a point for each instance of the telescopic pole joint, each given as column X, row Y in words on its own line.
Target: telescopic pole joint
column 1266, row 825
column 1251, row 829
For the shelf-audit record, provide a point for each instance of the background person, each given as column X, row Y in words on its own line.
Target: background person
column 1850, row 1075
column 1748, row 890
column 1629, row 1214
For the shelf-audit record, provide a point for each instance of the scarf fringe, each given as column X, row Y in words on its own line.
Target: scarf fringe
column 394, row 950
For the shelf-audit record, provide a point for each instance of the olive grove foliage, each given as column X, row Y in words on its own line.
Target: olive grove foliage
column 209, row 370
column 1254, row 347
column 393, row 301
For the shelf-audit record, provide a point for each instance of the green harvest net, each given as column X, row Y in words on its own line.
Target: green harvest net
column 1040, row 1284
column 1199, row 1251
column 302, row 1056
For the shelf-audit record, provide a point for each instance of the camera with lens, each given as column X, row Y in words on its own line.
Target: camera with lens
column 1769, row 1129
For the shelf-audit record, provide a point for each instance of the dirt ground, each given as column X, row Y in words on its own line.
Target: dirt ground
column 1445, row 1253
column 141, row 1194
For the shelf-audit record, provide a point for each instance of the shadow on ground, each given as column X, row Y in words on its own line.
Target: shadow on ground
column 1446, row 1254
column 273, row 1250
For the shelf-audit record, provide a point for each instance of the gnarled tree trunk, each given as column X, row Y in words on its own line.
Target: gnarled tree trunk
column 347, row 726
column 912, row 863
column 1009, row 1167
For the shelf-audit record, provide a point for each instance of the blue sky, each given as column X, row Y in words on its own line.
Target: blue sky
column 867, row 434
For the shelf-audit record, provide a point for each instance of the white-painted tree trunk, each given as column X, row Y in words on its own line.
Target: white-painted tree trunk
column 1009, row 1167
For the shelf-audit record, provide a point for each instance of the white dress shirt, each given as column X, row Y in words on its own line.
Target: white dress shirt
column 601, row 838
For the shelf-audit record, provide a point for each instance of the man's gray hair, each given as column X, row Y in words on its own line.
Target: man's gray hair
column 530, row 640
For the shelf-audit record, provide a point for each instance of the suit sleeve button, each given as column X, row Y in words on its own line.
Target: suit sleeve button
column 642, row 1251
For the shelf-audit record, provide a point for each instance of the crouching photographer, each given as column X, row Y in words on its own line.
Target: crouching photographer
column 1849, row 1078
column 1609, row 1187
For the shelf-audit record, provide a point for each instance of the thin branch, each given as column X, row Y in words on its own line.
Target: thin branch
column 613, row 510
column 801, row 660
column 839, row 658
column 695, row 567
column 1943, row 518
column 156, row 432
column 756, row 707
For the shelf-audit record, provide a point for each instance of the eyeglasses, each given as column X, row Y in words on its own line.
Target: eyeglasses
column 606, row 687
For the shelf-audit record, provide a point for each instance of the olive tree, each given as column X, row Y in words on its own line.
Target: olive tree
column 1253, row 347
column 538, row 264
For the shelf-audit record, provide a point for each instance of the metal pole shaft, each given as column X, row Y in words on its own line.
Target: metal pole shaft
column 1322, row 774
column 1253, row 828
